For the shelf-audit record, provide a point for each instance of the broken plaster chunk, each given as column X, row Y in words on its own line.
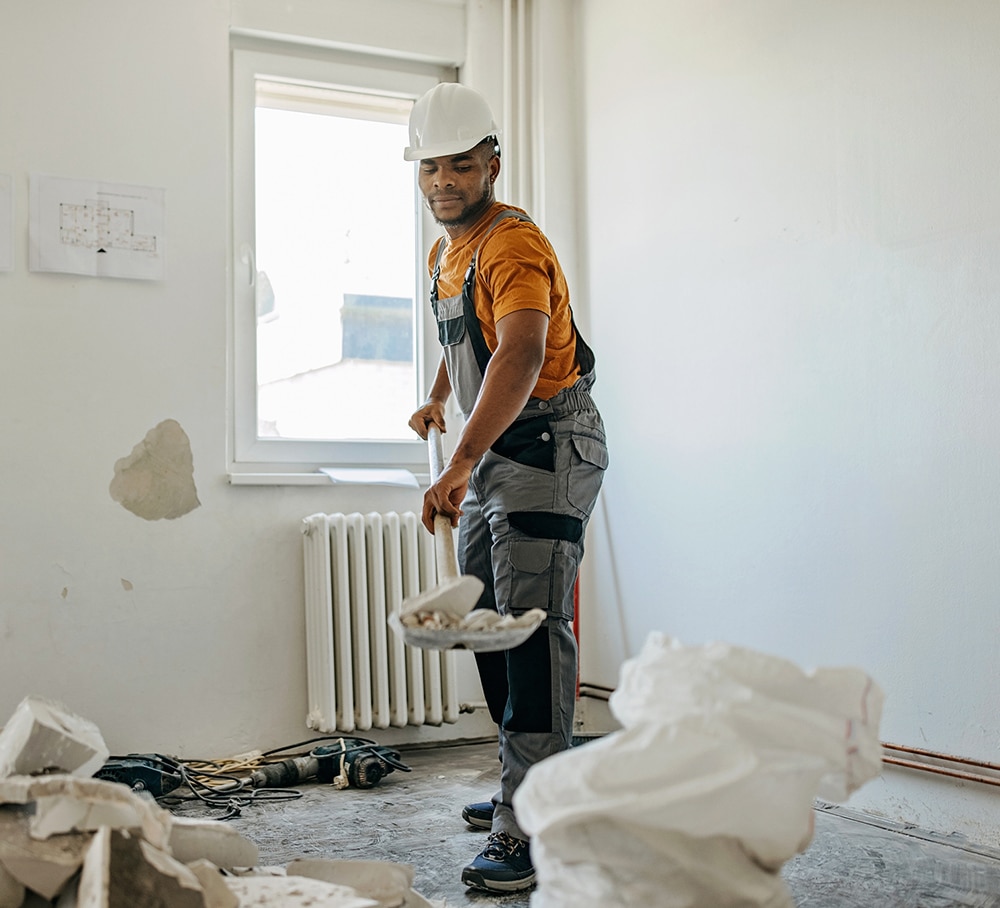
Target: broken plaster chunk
column 217, row 893
column 11, row 890
column 294, row 892
column 121, row 869
column 384, row 881
column 88, row 809
column 25, row 789
column 65, row 803
column 156, row 480
column 192, row 840
column 43, row 736
column 44, row 867
column 65, row 813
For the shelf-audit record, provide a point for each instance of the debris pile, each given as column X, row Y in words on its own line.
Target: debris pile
column 71, row 841
column 707, row 789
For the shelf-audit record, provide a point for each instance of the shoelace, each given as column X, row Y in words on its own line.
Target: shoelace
column 502, row 846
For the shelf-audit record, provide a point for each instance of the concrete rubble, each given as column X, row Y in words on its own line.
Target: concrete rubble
column 71, row 841
column 42, row 737
column 388, row 884
column 708, row 787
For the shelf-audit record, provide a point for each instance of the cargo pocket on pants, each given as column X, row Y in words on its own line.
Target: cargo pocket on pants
column 530, row 562
column 590, row 460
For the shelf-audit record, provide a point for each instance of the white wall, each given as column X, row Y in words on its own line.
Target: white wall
column 203, row 653
column 788, row 274
column 793, row 273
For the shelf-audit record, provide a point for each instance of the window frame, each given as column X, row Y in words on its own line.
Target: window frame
column 253, row 59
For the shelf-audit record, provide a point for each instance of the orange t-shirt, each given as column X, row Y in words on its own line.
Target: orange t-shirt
column 516, row 269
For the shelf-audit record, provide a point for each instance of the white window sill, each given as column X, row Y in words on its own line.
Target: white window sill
column 314, row 479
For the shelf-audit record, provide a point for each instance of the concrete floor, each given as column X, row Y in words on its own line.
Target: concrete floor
column 854, row 861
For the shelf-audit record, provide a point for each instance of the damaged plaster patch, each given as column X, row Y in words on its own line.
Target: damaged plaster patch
column 156, row 480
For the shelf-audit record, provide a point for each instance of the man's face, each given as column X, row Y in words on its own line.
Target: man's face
column 459, row 188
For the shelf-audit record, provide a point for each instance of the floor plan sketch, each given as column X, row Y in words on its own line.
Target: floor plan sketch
column 94, row 228
column 96, row 225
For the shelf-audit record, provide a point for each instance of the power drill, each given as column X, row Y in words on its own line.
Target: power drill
column 350, row 761
column 155, row 773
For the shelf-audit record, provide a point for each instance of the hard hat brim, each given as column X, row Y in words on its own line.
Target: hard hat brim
column 420, row 153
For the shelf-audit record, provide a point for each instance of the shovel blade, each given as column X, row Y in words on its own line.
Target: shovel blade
column 456, row 596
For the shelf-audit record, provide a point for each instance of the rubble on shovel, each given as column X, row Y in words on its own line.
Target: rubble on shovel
column 71, row 841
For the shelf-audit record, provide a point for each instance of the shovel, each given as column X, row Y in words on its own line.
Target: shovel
column 454, row 594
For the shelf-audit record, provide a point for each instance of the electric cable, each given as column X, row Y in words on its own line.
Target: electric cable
column 222, row 791
column 231, row 784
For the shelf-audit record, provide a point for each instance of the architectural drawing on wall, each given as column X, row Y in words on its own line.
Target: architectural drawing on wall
column 6, row 223
column 100, row 229
column 96, row 225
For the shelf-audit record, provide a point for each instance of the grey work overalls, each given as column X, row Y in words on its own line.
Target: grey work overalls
column 529, row 500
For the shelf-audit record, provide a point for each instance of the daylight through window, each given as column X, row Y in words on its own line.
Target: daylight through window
column 335, row 248
column 332, row 346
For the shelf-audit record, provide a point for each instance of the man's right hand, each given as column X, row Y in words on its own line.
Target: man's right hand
column 445, row 496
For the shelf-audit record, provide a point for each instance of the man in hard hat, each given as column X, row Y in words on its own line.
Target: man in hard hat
column 530, row 458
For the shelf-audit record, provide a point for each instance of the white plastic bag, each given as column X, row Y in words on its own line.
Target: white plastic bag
column 707, row 789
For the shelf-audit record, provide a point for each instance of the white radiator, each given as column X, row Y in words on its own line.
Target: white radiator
column 358, row 570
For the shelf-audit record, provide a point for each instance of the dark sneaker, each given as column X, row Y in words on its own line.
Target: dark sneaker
column 479, row 814
column 504, row 865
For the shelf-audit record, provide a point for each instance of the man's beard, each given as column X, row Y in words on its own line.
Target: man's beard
column 470, row 213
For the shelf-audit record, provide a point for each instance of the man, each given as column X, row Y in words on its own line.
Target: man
column 530, row 458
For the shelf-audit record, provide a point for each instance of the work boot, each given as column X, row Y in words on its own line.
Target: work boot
column 504, row 865
column 479, row 814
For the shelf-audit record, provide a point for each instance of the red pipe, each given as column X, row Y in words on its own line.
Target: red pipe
column 944, row 758
column 954, row 773
column 576, row 630
column 939, row 756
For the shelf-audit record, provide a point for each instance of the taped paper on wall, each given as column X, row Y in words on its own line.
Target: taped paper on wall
column 94, row 228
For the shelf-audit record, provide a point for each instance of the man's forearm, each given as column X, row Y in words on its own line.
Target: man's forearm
column 441, row 388
column 508, row 383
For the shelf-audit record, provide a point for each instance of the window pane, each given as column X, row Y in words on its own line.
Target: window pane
column 335, row 241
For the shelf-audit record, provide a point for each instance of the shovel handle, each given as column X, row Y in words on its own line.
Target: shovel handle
column 434, row 451
column 444, row 539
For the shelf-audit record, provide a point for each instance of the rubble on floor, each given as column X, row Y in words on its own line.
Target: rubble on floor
column 708, row 788
column 71, row 841
column 41, row 736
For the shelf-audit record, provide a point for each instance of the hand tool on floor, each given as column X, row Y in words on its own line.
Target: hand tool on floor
column 455, row 594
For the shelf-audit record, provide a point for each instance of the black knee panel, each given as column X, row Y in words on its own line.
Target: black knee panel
column 529, row 704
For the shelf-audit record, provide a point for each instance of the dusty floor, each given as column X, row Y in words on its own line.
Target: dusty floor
column 415, row 818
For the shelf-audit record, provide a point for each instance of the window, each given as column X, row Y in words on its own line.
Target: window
column 330, row 239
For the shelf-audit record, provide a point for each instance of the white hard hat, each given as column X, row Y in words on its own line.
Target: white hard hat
column 448, row 119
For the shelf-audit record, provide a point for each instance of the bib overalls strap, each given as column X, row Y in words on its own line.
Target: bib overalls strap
column 466, row 353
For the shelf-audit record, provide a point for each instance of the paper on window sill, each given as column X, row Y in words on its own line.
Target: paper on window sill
column 370, row 477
